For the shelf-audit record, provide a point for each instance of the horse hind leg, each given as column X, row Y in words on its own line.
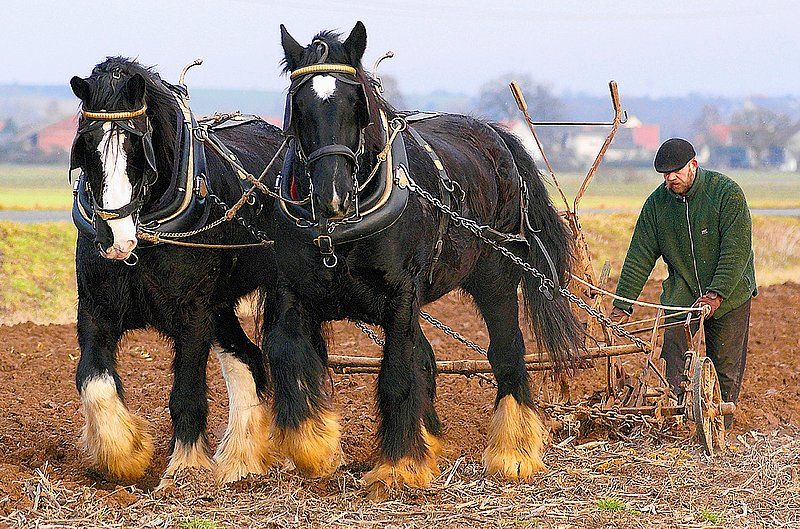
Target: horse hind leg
column 431, row 424
column 247, row 446
column 117, row 442
column 516, row 435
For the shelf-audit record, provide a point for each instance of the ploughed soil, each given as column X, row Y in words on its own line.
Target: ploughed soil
column 40, row 418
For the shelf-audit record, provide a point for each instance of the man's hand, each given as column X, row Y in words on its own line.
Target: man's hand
column 619, row 316
column 712, row 300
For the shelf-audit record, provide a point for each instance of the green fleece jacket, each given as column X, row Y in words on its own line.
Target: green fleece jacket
column 705, row 239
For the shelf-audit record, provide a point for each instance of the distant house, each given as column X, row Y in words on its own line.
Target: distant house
column 634, row 144
column 51, row 139
column 56, row 137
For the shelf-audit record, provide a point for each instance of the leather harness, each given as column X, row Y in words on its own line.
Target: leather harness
column 183, row 205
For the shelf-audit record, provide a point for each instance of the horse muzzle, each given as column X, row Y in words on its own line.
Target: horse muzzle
column 119, row 251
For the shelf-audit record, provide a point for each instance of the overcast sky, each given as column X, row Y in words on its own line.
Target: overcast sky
column 730, row 48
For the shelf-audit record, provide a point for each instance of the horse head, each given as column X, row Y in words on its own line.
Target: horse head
column 114, row 148
column 328, row 112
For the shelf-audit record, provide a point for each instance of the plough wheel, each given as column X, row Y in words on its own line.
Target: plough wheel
column 707, row 406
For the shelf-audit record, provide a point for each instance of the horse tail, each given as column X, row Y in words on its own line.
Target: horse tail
column 554, row 324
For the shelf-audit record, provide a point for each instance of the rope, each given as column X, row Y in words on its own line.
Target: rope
column 633, row 301
column 155, row 239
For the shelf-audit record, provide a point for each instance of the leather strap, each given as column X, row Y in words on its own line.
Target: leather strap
column 445, row 190
column 331, row 150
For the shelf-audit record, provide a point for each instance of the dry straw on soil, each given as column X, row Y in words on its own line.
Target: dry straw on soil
column 594, row 484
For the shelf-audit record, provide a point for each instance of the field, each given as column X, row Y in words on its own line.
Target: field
column 601, row 480
column 605, row 478
column 25, row 187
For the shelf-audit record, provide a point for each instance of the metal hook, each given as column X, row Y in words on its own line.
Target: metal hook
column 378, row 83
column 330, row 261
column 182, row 78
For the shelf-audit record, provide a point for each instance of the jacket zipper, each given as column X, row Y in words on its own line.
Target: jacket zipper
column 691, row 245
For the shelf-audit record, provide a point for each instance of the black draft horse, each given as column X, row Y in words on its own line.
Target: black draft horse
column 383, row 279
column 131, row 145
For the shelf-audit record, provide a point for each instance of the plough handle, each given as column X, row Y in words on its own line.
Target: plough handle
column 523, row 106
column 612, row 85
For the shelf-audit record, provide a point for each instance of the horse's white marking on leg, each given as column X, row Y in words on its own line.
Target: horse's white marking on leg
column 324, row 86
column 116, row 441
column 117, row 188
column 246, row 447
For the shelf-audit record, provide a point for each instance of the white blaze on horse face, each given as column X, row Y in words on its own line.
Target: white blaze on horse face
column 324, row 86
column 336, row 202
column 117, row 188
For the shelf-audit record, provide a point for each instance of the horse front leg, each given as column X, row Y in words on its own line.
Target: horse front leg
column 407, row 449
column 117, row 442
column 188, row 405
column 247, row 447
column 306, row 428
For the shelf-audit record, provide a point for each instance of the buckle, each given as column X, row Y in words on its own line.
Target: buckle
column 325, row 244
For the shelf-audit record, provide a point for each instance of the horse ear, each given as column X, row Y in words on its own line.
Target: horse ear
column 292, row 50
column 134, row 88
column 356, row 43
column 80, row 87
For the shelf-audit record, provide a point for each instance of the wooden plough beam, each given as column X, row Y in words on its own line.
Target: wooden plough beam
column 533, row 362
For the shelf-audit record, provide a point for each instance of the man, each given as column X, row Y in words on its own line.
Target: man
column 699, row 223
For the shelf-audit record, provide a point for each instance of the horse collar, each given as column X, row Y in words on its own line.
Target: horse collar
column 376, row 212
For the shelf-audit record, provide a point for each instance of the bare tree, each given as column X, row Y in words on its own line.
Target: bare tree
column 701, row 128
column 496, row 102
column 392, row 93
column 760, row 130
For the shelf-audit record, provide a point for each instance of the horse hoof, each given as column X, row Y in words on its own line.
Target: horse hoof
column 116, row 441
column 194, row 455
column 516, row 441
column 407, row 472
column 246, row 447
column 314, row 446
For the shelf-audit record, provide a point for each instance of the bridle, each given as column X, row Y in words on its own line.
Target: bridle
column 345, row 74
column 382, row 206
column 123, row 120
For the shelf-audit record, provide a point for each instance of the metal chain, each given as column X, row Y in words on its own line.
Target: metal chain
column 257, row 234
column 451, row 333
column 433, row 321
column 545, row 283
column 369, row 332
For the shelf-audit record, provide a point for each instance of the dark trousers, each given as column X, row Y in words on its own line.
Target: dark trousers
column 726, row 346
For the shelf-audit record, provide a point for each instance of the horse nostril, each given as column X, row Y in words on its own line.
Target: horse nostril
column 126, row 246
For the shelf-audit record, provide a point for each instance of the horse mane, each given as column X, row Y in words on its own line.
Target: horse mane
column 161, row 106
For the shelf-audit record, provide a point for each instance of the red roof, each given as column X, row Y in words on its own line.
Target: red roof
column 57, row 136
column 721, row 133
column 646, row 136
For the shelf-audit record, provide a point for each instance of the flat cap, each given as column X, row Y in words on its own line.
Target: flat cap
column 673, row 155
